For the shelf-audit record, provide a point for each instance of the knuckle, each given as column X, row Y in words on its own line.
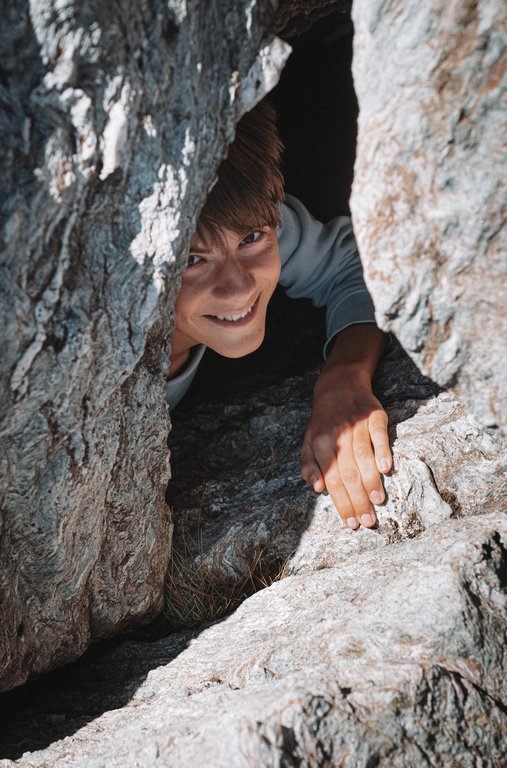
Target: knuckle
column 363, row 451
column 304, row 453
column 321, row 443
column 349, row 475
column 345, row 436
column 307, row 438
column 333, row 485
column 380, row 416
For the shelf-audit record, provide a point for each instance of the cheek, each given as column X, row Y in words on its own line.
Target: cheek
column 180, row 303
column 277, row 268
column 270, row 266
column 274, row 273
column 186, row 301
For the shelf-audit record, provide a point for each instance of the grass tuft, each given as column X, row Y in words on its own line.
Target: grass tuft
column 197, row 590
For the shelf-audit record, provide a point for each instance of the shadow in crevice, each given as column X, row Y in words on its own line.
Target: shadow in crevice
column 239, row 503
column 399, row 382
column 106, row 677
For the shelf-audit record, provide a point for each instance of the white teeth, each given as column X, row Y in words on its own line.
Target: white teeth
column 232, row 318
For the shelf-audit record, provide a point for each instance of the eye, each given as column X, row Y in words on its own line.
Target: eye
column 252, row 237
column 193, row 259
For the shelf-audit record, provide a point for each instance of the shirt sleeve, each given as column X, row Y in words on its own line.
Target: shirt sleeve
column 321, row 262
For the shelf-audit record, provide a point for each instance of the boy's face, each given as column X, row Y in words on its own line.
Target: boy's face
column 225, row 292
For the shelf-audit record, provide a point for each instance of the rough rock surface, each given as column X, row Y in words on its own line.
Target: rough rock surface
column 446, row 466
column 382, row 646
column 396, row 657
column 107, row 153
column 295, row 17
column 429, row 194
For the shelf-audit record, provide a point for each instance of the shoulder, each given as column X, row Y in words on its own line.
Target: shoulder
column 302, row 232
column 298, row 225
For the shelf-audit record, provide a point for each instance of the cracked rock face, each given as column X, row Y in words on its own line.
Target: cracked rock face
column 395, row 657
column 378, row 647
column 382, row 646
column 108, row 154
column 428, row 192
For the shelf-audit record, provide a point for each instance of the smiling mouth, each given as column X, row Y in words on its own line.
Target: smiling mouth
column 237, row 318
column 233, row 318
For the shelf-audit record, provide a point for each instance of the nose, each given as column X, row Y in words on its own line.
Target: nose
column 233, row 280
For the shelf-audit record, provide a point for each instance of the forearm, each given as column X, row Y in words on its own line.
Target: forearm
column 346, row 448
column 354, row 355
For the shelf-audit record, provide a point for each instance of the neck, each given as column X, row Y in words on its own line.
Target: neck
column 177, row 363
column 180, row 352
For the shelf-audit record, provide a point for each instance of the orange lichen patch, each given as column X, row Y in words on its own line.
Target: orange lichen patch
column 496, row 74
column 458, row 42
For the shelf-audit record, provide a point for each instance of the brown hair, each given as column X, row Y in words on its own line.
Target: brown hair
column 249, row 189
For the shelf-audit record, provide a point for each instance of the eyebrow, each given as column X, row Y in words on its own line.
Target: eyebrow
column 203, row 250
column 197, row 249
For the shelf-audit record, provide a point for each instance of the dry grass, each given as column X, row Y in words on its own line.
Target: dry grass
column 197, row 591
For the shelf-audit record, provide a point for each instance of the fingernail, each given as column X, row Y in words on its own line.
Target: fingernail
column 366, row 519
column 376, row 497
column 313, row 481
column 384, row 465
column 352, row 522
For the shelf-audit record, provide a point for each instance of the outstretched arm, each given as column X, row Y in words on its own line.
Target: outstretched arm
column 345, row 448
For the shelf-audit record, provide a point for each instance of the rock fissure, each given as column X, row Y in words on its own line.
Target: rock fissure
column 378, row 647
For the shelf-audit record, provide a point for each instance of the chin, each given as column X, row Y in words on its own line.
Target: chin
column 241, row 350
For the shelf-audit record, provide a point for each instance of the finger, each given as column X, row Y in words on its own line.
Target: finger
column 324, row 450
column 351, row 478
column 377, row 425
column 340, row 498
column 365, row 460
column 310, row 470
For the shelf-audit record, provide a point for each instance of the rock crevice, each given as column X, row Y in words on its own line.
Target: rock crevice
column 378, row 647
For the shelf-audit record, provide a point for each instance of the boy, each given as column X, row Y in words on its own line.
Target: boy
column 247, row 241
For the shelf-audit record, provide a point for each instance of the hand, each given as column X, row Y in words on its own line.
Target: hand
column 346, row 448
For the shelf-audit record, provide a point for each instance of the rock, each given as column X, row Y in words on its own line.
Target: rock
column 428, row 190
column 377, row 647
column 294, row 17
column 395, row 657
column 108, row 154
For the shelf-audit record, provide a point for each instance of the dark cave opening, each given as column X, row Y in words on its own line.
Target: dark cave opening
column 317, row 115
column 213, row 427
column 317, row 110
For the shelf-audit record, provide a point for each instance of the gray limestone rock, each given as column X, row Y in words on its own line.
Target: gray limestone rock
column 395, row 658
column 377, row 647
column 296, row 16
column 429, row 193
column 114, row 119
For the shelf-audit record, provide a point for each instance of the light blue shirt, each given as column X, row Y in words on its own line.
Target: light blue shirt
column 319, row 262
